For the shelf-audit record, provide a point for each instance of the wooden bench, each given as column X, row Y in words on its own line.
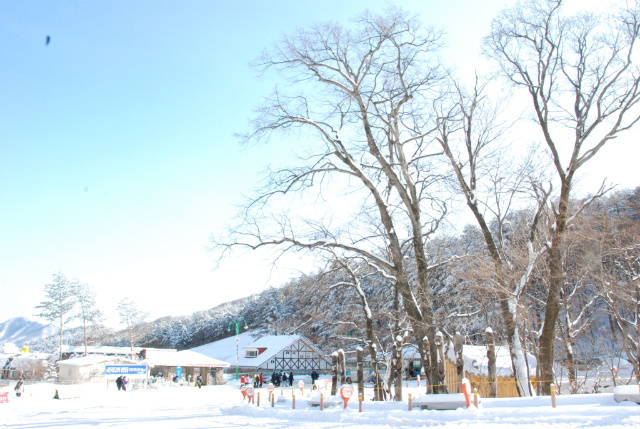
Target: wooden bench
column 329, row 401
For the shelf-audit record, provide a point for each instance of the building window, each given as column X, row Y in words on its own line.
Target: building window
column 286, row 353
column 251, row 353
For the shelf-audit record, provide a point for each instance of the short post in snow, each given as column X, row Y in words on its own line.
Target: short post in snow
column 475, row 397
column 553, row 395
column 322, row 402
column 273, row 400
column 293, row 406
column 410, row 405
column 359, row 402
column 258, row 399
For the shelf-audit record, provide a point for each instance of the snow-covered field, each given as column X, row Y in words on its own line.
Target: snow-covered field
column 94, row 405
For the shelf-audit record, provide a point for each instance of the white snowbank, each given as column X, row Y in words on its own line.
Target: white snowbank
column 222, row 406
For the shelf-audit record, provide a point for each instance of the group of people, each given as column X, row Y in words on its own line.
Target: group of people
column 257, row 380
column 122, row 382
column 279, row 378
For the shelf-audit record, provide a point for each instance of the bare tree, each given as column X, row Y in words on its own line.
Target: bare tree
column 60, row 299
column 494, row 188
column 360, row 91
column 88, row 313
column 131, row 317
column 619, row 271
column 584, row 91
column 354, row 272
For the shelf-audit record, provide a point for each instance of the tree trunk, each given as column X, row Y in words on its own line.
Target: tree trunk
column 426, row 364
column 457, row 347
column 396, row 369
column 334, row 370
column 359, row 358
column 441, row 371
column 556, row 282
column 491, row 356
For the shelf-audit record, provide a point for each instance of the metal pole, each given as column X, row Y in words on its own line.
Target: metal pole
column 237, row 323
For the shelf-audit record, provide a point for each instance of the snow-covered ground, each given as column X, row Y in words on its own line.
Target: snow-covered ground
column 172, row 406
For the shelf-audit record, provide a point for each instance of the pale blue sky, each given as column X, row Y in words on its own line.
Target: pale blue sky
column 117, row 155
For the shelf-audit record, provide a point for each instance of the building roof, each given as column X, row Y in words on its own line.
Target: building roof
column 187, row 358
column 271, row 344
column 477, row 363
column 225, row 349
column 95, row 360
column 104, row 350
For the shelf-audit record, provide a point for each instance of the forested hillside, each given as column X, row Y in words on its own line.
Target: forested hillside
column 599, row 311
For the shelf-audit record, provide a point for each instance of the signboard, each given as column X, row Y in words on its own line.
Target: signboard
column 4, row 397
column 125, row 370
column 179, row 371
column 270, row 387
column 250, row 392
column 346, row 391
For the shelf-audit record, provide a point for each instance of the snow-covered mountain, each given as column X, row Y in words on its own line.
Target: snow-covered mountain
column 21, row 331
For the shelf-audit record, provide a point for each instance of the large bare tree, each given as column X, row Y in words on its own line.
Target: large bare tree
column 495, row 188
column 355, row 96
column 583, row 91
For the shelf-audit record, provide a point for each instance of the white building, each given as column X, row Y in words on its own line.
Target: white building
column 293, row 353
column 89, row 368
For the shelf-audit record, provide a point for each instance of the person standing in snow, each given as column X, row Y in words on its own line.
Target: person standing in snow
column 19, row 387
column 291, row 378
column 284, row 379
column 261, row 378
column 199, row 381
column 119, row 382
column 124, row 383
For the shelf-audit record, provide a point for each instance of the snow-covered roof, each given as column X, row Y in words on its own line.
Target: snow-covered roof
column 278, row 342
column 94, row 360
column 112, row 350
column 272, row 345
column 225, row 349
column 10, row 348
column 188, row 358
column 477, row 363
